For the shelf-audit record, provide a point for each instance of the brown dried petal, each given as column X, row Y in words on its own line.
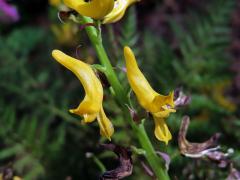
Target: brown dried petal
column 134, row 115
column 180, row 99
column 125, row 163
column 8, row 174
column 234, row 174
column 195, row 150
column 148, row 170
column 103, row 79
column 219, row 157
column 166, row 158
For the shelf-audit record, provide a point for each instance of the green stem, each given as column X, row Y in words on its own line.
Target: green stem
column 122, row 97
column 151, row 155
column 96, row 40
column 99, row 164
column 154, row 161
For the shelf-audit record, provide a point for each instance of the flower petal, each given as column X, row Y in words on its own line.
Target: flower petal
column 162, row 132
column 106, row 127
column 158, row 105
column 96, row 9
column 138, row 82
column 161, row 101
column 118, row 11
column 92, row 101
column 164, row 113
column 88, row 118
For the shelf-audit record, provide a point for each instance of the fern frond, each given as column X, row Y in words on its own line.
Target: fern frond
column 26, row 141
column 129, row 33
column 203, row 45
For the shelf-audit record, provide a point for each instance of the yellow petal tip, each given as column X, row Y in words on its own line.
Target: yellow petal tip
column 127, row 49
column 55, row 53
column 58, row 55
column 161, row 131
column 71, row 110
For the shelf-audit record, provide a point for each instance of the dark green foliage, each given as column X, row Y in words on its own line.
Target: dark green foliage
column 28, row 142
column 202, row 60
column 201, row 45
column 200, row 42
column 129, row 32
column 26, row 131
column 32, row 138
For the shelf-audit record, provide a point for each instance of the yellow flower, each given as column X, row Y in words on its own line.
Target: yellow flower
column 65, row 33
column 96, row 9
column 109, row 11
column 218, row 93
column 16, row 178
column 54, row 2
column 158, row 105
column 91, row 107
column 118, row 11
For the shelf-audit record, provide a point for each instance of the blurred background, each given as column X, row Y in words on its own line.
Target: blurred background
column 188, row 44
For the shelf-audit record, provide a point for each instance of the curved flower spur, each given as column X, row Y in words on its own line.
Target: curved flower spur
column 158, row 105
column 91, row 107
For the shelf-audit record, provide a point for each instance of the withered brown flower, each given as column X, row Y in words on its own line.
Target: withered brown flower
column 234, row 174
column 195, row 150
column 125, row 163
column 180, row 99
column 209, row 149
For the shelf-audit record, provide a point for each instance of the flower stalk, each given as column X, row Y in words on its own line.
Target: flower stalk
column 96, row 40
column 122, row 97
column 154, row 161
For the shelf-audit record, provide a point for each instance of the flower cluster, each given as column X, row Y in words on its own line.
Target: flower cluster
column 91, row 107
